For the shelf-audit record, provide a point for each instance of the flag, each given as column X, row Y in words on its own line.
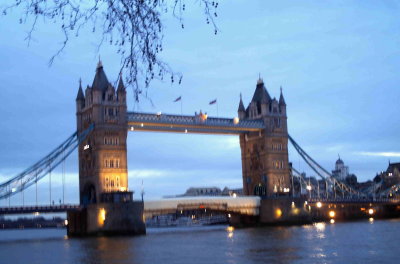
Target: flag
column 213, row 101
column 178, row 99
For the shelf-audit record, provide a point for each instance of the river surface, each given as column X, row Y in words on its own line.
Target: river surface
column 351, row 242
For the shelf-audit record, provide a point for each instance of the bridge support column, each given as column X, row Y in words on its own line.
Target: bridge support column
column 107, row 218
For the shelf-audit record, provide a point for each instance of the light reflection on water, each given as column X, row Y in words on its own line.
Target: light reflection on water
column 356, row 242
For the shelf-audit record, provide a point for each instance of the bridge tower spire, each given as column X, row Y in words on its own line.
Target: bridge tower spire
column 265, row 163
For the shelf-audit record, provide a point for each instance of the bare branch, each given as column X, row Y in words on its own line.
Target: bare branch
column 133, row 27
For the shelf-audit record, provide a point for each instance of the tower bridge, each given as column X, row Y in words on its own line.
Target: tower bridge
column 106, row 204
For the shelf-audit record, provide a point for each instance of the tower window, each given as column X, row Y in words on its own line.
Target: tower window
column 117, row 163
column 111, row 163
column 107, row 183
column 106, row 163
column 117, row 181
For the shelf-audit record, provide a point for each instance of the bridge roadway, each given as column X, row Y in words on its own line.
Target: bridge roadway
column 248, row 205
column 38, row 209
column 243, row 205
column 191, row 124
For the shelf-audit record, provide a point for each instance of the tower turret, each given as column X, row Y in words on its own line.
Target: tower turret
column 121, row 91
column 282, row 103
column 241, row 109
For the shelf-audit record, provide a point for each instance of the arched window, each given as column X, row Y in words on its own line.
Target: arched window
column 117, row 181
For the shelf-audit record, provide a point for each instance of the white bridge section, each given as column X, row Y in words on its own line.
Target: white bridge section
column 248, row 205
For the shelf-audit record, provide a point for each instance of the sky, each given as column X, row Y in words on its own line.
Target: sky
column 337, row 62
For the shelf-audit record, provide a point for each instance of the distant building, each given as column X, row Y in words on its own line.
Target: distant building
column 389, row 177
column 341, row 171
column 208, row 191
column 203, row 191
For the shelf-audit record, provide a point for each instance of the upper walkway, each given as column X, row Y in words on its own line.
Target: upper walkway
column 199, row 123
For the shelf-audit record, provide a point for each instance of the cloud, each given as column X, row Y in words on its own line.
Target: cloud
column 378, row 154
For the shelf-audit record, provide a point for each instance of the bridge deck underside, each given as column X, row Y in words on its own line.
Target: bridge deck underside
column 191, row 124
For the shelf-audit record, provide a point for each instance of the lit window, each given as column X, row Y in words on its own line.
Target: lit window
column 106, row 163
column 117, row 181
column 111, row 163
column 117, row 163
column 107, row 182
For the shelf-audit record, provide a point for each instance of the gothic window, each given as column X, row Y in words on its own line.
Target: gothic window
column 117, row 163
column 106, row 163
column 111, row 163
column 112, row 184
column 117, row 181
column 110, row 97
column 110, row 111
column 260, row 190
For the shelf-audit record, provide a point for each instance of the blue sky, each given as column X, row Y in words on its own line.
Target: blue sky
column 337, row 62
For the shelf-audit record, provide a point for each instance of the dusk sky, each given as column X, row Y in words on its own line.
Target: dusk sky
column 337, row 62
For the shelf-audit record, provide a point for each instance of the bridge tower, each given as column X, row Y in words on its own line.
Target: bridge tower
column 102, row 156
column 265, row 163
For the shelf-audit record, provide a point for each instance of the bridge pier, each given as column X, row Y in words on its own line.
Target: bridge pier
column 107, row 218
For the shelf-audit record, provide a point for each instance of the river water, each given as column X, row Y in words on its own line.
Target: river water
column 351, row 242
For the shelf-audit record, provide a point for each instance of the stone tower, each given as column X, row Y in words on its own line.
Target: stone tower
column 265, row 163
column 102, row 156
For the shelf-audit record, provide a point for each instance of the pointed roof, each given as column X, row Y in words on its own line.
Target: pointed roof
column 261, row 94
column 241, row 106
column 100, row 81
column 80, row 95
column 281, row 99
column 121, row 86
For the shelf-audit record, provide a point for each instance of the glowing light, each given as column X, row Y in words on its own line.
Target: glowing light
column 332, row 221
column 320, row 226
column 230, row 234
column 36, row 213
column 229, row 215
column 305, row 203
column 236, row 120
column 371, row 219
column 293, row 205
column 14, row 189
column 158, row 113
column 65, row 222
column 86, row 147
column 230, row 228
column 234, row 195
column 309, row 187
column 122, row 189
column 185, row 131
column 141, row 125
column 371, row 211
column 102, row 216
column 278, row 213
column 319, row 204
column 332, row 214
column 286, row 190
column 132, row 128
